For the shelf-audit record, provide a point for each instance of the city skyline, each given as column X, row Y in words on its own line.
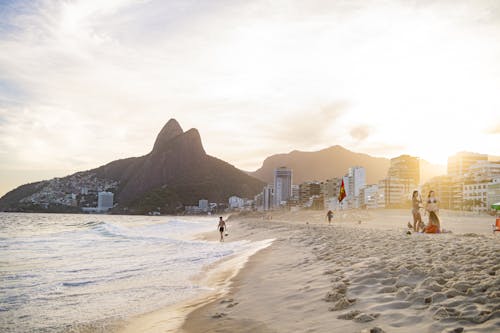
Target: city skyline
column 85, row 82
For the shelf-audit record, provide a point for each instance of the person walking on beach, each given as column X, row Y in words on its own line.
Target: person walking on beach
column 329, row 215
column 222, row 227
column 431, row 206
column 417, row 217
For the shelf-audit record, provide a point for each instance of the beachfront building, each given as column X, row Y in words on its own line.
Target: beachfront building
column 104, row 201
column 403, row 177
column 203, row 205
column 478, row 183
column 493, row 195
column 405, row 167
column 458, row 167
column 258, row 201
column 330, row 189
column 459, row 164
column 295, row 192
column 380, row 197
column 475, row 195
column 307, row 190
column 356, row 177
column 484, row 170
column 368, row 196
column 443, row 187
column 457, row 192
column 268, row 197
column 282, row 186
column 331, row 203
column 236, row 202
column 396, row 192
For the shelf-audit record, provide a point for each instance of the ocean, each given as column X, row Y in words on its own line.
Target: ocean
column 62, row 273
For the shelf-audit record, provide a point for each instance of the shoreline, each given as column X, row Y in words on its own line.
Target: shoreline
column 216, row 277
column 296, row 276
column 360, row 276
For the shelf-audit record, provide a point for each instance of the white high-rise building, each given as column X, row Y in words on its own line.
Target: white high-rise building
column 236, row 202
column 268, row 197
column 368, row 197
column 282, row 185
column 484, row 170
column 354, row 181
column 104, row 201
column 295, row 192
column 357, row 180
column 203, row 205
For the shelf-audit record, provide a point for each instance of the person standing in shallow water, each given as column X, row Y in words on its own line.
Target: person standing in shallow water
column 417, row 217
column 222, row 227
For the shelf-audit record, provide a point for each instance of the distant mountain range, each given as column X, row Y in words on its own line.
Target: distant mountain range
column 321, row 165
column 176, row 172
column 334, row 162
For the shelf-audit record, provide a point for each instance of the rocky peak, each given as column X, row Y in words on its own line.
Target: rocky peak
column 189, row 143
column 171, row 130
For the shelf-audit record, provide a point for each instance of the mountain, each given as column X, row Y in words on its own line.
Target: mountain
column 176, row 172
column 334, row 162
column 322, row 165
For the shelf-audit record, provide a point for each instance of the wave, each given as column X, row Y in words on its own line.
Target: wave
column 77, row 284
column 174, row 230
column 91, row 224
column 103, row 267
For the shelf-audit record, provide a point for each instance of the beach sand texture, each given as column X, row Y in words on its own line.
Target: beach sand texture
column 363, row 273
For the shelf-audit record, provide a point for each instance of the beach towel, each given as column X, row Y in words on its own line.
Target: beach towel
column 431, row 229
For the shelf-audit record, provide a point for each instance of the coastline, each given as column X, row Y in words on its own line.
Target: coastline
column 361, row 273
column 216, row 278
column 355, row 275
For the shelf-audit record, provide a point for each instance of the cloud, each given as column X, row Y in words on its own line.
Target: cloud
column 383, row 149
column 84, row 82
column 360, row 133
column 305, row 128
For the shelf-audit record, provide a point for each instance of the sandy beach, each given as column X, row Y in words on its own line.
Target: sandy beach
column 362, row 273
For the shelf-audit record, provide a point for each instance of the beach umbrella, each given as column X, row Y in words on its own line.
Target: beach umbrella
column 496, row 206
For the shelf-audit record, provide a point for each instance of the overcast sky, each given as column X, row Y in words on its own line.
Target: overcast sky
column 83, row 83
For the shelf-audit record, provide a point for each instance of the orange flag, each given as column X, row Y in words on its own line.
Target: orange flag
column 342, row 194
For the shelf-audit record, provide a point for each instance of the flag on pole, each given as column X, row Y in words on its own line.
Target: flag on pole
column 342, row 194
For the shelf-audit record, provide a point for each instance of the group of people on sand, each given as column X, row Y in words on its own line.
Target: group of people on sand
column 431, row 208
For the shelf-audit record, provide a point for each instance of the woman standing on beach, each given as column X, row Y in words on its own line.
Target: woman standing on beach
column 417, row 217
column 222, row 227
column 431, row 206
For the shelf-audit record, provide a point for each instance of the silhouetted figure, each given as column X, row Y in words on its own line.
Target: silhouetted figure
column 222, row 227
column 329, row 215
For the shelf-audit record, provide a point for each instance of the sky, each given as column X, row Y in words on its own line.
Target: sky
column 83, row 83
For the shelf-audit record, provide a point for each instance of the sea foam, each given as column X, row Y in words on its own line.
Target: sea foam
column 59, row 272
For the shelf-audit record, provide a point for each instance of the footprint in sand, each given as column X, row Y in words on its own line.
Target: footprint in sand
column 342, row 304
column 364, row 318
column 219, row 315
